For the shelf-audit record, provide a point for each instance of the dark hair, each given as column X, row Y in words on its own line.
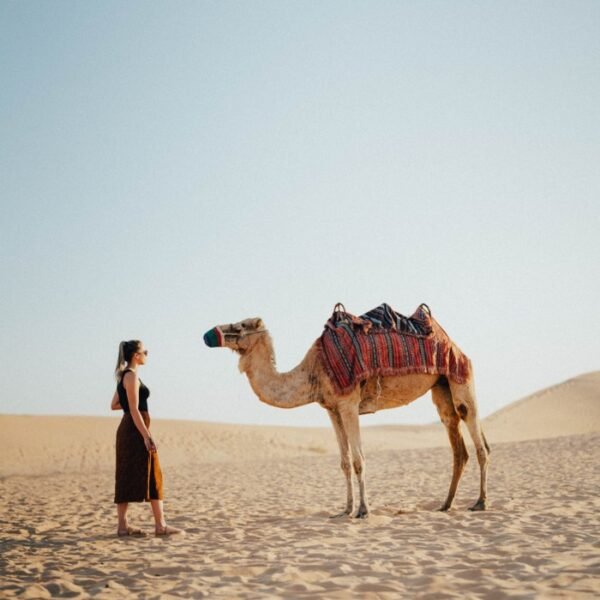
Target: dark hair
column 126, row 352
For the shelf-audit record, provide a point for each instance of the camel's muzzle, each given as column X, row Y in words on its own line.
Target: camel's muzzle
column 213, row 338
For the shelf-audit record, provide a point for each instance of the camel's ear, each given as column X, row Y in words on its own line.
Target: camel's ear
column 258, row 323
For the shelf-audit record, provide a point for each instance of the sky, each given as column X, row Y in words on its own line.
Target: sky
column 169, row 166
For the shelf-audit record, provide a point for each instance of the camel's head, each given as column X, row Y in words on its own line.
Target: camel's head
column 237, row 336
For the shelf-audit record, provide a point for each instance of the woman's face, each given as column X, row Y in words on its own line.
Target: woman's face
column 141, row 355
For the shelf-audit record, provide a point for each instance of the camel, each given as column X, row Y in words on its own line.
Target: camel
column 308, row 383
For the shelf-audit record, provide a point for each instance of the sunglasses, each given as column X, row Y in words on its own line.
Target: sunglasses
column 144, row 352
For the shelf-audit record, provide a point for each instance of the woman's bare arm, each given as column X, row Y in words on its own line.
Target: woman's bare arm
column 131, row 383
column 115, row 404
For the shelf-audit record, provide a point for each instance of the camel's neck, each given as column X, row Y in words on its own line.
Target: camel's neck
column 284, row 390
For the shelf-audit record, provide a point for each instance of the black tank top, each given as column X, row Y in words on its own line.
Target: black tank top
column 143, row 395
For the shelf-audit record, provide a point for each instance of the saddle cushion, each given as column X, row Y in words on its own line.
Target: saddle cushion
column 384, row 343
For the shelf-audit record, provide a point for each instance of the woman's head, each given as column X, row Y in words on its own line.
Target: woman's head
column 131, row 353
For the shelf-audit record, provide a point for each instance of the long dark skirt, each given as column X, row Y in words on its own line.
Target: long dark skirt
column 138, row 475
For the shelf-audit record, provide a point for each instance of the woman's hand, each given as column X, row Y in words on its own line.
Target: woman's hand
column 150, row 445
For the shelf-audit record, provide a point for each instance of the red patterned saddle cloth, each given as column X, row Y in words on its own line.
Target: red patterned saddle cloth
column 384, row 343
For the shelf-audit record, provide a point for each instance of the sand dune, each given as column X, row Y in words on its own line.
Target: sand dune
column 32, row 445
column 255, row 502
column 569, row 408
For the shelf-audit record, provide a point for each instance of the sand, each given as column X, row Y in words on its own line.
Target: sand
column 255, row 502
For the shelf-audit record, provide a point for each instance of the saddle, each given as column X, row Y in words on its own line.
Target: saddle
column 382, row 342
column 385, row 317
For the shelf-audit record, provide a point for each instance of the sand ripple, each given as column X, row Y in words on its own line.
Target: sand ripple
column 261, row 529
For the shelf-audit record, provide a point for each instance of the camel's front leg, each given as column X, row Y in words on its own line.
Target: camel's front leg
column 349, row 415
column 342, row 439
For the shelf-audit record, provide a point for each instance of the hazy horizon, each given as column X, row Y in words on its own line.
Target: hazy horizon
column 166, row 168
column 365, row 419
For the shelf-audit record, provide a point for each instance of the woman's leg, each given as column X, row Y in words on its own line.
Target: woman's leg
column 159, row 515
column 160, row 524
column 122, row 515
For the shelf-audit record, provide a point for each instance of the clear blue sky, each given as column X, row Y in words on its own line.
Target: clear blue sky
column 167, row 166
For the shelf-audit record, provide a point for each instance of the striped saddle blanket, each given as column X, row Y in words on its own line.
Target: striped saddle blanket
column 384, row 343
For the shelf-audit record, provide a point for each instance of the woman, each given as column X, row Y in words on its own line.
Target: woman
column 138, row 476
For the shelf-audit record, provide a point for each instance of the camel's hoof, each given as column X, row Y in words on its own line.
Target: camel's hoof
column 445, row 508
column 362, row 513
column 479, row 505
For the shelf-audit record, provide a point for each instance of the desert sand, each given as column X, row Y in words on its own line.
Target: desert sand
column 255, row 502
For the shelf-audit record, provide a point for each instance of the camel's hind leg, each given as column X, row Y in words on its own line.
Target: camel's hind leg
column 442, row 399
column 346, row 460
column 465, row 403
